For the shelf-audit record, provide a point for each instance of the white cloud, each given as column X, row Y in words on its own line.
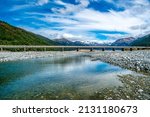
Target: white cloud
column 19, row 7
column 61, row 20
column 83, row 3
column 115, row 36
column 134, row 20
column 42, row 2
column 71, row 36
column 112, row 21
column 29, row 5
column 70, row 8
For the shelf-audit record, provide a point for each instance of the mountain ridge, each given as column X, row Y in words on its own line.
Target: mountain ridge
column 65, row 41
column 123, row 41
column 142, row 41
column 11, row 35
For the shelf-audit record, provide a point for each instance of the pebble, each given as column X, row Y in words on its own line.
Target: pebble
column 135, row 60
column 14, row 56
column 140, row 90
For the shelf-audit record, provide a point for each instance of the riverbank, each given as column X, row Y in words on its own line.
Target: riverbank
column 135, row 60
column 14, row 56
column 133, row 88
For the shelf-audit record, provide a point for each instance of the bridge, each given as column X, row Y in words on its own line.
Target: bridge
column 77, row 48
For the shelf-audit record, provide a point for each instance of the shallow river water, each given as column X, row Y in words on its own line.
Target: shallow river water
column 72, row 77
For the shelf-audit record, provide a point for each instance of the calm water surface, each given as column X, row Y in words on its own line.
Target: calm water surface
column 57, row 78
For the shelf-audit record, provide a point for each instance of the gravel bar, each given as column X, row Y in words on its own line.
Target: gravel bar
column 14, row 56
column 135, row 60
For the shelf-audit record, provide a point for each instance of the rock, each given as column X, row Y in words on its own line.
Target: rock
column 135, row 60
column 140, row 90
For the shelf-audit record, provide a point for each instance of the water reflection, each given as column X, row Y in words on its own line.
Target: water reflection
column 56, row 78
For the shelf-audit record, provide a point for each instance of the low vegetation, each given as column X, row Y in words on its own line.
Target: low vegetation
column 143, row 41
column 10, row 35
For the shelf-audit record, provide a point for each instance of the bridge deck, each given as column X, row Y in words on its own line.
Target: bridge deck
column 73, row 47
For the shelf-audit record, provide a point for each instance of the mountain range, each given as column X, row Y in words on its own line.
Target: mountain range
column 64, row 41
column 11, row 35
column 142, row 41
column 131, row 41
column 123, row 41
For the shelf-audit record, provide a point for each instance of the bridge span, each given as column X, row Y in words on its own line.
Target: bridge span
column 77, row 48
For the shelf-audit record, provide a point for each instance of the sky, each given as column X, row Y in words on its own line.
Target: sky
column 85, row 20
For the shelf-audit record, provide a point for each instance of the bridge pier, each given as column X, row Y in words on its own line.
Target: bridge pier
column 122, row 49
column 77, row 49
column 103, row 49
column 24, row 48
column 91, row 49
column 62, row 49
column 1, row 49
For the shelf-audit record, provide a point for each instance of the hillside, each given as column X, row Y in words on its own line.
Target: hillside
column 142, row 41
column 10, row 35
column 123, row 41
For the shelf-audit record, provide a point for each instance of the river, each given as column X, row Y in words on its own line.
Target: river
column 70, row 77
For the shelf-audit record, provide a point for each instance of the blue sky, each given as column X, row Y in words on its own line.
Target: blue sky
column 85, row 20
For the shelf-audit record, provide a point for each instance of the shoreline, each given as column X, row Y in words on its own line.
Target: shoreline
column 138, row 61
column 16, row 56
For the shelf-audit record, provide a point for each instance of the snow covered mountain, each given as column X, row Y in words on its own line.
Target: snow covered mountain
column 67, row 42
column 124, row 41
